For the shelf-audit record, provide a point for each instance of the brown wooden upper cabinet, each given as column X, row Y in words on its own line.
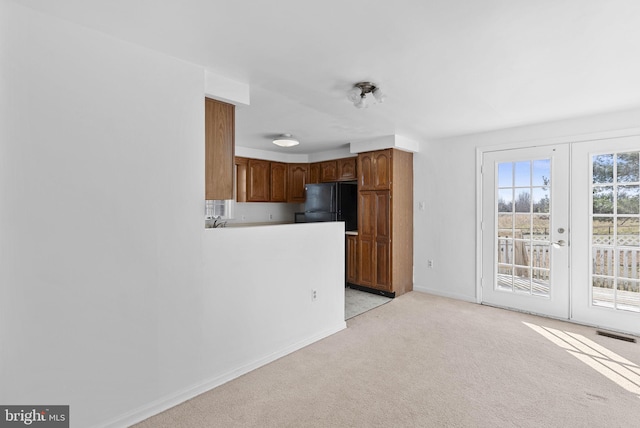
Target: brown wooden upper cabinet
column 298, row 178
column 375, row 170
column 328, row 171
column 347, row 169
column 314, row 173
column 219, row 149
column 258, row 180
column 279, row 173
column 335, row 170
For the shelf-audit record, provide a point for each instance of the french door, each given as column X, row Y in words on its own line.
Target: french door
column 560, row 231
column 606, row 238
column 525, row 229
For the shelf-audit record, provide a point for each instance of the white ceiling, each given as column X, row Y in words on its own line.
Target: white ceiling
column 448, row 67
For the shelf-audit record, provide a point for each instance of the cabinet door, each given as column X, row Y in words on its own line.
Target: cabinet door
column 352, row 259
column 219, row 149
column 347, row 169
column 374, row 239
column 365, row 170
column 314, row 173
column 366, row 214
column 258, row 180
column 383, row 240
column 298, row 178
column 383, row 214
column 328, row 171
column 366, row 260
column 366, row 239
column 278, row 182
column 241, row 178
column 382, row 169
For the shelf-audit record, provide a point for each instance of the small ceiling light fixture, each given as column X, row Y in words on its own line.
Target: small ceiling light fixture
column 358, row 95
column 286, row 140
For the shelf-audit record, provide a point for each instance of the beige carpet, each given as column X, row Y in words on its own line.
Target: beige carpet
column 425, row 361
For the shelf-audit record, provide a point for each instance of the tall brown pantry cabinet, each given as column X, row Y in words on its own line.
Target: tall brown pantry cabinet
column 385, row 222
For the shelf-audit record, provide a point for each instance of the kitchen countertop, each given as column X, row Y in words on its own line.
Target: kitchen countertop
column 264, row 223
column 351, row 232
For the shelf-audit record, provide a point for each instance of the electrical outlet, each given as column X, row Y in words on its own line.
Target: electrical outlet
column 270, row 216
column 430, row 264
column 314, row 295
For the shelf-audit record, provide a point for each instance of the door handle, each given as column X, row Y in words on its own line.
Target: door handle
column 560, row 243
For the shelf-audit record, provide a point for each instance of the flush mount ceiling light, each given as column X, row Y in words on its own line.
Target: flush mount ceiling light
column 358, row 95
column 286, row 140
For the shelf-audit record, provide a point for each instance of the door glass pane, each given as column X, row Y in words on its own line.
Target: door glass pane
column 603, row 200
column 628, row 231
column 524, row 226
column 540, row 199
column 603, row 292
column 602, row 231
column 505, row 175
column 505, row 224
column 539, row 258
column 628, row 265
column 628, row 199
column 602, row 261
column 522, row 176
column 629, row 296
column 505, row 251
column 523, row 200
column 615, row 228
column 505, row 200
column 603, row 169
column 541, row 172
column 541, row 227
column 627, row 167
column 521, row 280
column 505, row 278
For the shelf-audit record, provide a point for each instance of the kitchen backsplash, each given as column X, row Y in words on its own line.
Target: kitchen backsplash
column 264, row 212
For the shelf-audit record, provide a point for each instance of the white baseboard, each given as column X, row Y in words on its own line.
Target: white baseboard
column 471, row 299
column 169, row 401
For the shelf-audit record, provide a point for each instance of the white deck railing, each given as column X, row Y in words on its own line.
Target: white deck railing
column 525, row 254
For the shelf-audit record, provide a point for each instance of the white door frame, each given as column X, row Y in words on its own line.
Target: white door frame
column 583, row 311
column 578, row 138
column 556, row 302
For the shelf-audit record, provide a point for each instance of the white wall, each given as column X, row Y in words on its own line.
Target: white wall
column 445, row 178
column 257, row 298
column 114, row 299
column 265, row 212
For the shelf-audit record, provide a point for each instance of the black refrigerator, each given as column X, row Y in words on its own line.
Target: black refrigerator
column 331, row 202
